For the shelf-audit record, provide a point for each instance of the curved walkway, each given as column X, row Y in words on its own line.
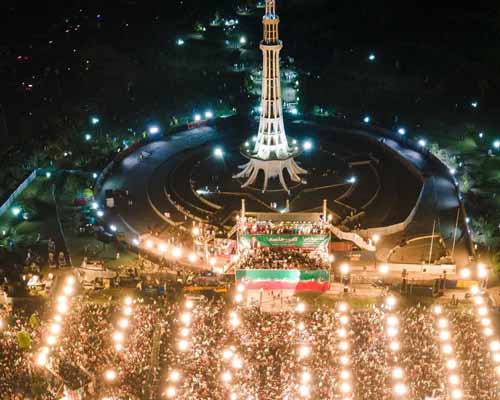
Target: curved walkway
column 145, row 181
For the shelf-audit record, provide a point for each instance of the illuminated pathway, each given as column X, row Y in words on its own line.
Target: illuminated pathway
column 344, row 383
column 392, row 332
column 453, row 381
column 176, row 375
column 233, row 371
column 52, row 335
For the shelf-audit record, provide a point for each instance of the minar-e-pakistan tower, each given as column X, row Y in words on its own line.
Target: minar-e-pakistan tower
column 271, row 152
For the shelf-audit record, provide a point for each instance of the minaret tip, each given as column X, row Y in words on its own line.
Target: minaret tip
column 270, row 7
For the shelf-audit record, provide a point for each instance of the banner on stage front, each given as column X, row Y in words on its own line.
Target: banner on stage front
column 305, row 241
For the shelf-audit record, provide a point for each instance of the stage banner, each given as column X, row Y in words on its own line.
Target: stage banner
column 279, row 279
column 305, row 241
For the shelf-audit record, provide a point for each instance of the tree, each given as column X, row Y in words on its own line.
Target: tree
column 484, row 232
column 466, row 182
column 445, row 156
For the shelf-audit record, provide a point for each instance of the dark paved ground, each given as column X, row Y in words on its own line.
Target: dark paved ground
column 390, row 174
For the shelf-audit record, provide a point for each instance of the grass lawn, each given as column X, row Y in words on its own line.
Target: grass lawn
column 37, row 200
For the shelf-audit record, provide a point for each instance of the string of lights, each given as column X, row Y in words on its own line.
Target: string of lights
column 454, row 383
column 392, row 331
column 63, row 302
column 343, row 333
column 483, row 317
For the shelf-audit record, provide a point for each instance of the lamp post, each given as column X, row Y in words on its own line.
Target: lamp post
column 344, row 270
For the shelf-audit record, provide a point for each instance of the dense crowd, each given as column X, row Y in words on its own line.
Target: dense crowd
column 283, row 227
column 280, row 258
column 424, row 368
column 248, row 352
column 90, row 351
column 15, row 379
column 268, row 346
column 475, row 362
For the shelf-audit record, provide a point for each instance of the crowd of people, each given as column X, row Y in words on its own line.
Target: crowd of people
column 281, row 258
column 424, row 368
column 255, row 227
column 245, row 351
column 89, row 350
column 476, row 364
column 15, row 377
column 268, row 347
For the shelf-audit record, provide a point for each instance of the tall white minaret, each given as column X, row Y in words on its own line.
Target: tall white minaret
column 271, row 140
column 271, row 152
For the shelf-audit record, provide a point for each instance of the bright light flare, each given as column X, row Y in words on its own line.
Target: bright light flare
column 183, row 345
column 451, row 364
column 400, row 389
column 304, row 391
column 110, row 375
column 240, row 288
column 118, row 337
column 344, row 268
column 123, row 323
column 62, row 308
column 395, row 345
column 186, row 318
column 174, row 376
column 68, row 290
column 305, row 377
column 227, row 377
column 397, row 373
column 495, row 346
column 41, row 359
column 383, row 269
column 392, row 331
column 235, row 322
column 465, row 273
column 454, row 379
column 127, row 311
column 237, row 363
column 390, row 301
column 447, row 349
column 345, row 387
column 345, row 375
column 218, row 152
column 304, row 351
column 162, row 247
column 55, row 328
column 177, row 252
